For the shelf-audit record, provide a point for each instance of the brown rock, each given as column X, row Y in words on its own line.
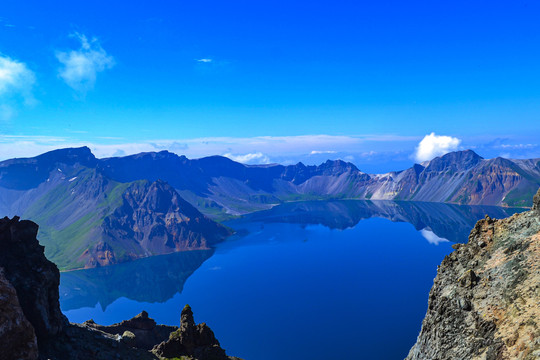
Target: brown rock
column 484, row 301
column 536, row 201
column 17, row 337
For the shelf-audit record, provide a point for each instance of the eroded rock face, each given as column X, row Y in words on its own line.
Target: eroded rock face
column 17, row 337
column 196, row 341
column 484, row 303
column 536, row 201
column 34, row 278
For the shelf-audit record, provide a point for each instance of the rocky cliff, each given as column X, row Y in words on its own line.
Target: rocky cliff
column 32, row 325
column 485, row 300
column 17, row 335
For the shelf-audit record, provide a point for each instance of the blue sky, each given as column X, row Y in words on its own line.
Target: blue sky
column 271, row 81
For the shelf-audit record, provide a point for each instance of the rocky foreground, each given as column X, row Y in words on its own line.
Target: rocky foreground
column 33, row 327
column 485, row 300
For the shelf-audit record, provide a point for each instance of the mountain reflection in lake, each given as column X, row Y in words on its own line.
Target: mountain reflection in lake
column 317, row 280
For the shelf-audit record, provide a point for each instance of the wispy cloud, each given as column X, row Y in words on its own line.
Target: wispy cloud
column 16, row 83
column 253, row 158
column 317, row 152
column 80, row 67
column 258, row 149
column 433, row 145
column 204, row 60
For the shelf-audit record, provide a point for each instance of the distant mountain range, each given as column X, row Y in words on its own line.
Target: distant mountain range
column 95, row 212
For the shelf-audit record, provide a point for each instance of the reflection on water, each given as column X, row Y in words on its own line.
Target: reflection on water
column 444, row 221
column 307, row 280
column 157, row 279
column 154, row 279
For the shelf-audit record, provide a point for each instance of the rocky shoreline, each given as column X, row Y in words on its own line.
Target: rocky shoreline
column 32, row 325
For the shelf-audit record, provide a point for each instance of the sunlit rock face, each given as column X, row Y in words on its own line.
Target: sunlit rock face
column 484, row 300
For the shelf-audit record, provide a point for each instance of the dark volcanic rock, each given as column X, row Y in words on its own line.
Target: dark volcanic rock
column 17, row 337
column 142, row 331
column 29, row 279
column 35, row 278
column 196, row 341
column 484, row 303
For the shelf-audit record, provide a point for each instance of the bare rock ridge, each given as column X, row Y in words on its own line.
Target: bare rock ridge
column 33, row 327
column 484, row 303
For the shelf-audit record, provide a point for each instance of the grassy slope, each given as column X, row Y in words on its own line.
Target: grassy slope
column 64, row 245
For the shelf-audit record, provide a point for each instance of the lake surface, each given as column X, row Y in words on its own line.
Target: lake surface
column 307, row 280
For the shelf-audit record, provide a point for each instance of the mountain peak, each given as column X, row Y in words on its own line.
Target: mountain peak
column 81, row 155
column 458, row 160
column 338, row 164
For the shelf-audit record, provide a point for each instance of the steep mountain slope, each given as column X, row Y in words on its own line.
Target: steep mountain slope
column 90, row 220
column 484, row 300
column 217, row 185
column 103, row 211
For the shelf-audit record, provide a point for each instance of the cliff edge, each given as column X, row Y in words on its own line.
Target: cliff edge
column 485, row 300
column 33, row 327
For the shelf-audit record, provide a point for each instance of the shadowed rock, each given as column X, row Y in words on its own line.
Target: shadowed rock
column 17, row 337
column 197, row 341
column 35, row 278
column 139, row 332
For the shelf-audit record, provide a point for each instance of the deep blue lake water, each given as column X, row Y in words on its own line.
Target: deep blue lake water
column 314, row 280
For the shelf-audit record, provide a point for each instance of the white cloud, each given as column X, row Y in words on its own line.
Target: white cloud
column 252, row 158
column 433, row 145
column 16, row 83
column 80, row 67
column 431, row 237
column 204, row 60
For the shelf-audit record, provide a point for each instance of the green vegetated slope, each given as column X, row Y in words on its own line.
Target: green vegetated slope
column 87, row 219
column 71, row 214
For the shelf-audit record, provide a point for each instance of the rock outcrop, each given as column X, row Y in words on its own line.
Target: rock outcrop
column 195, row 341
column 32, row 325
column 485, row 300
column 17, row 335
column 140, row 332
column 34, row 278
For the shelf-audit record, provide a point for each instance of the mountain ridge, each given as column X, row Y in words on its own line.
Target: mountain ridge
column 87, row 220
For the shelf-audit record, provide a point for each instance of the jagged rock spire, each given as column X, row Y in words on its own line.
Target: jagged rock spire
column 536, row 201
